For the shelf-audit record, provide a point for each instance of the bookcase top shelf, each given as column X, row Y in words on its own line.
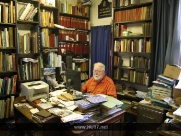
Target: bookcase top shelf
column 133, row 6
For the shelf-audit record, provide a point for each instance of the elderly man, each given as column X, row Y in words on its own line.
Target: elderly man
column 100, row 83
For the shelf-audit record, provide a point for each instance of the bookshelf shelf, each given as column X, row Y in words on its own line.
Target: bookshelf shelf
column 133, row 6
column 132, row 53
column 27, row 22
column 7, row 72
column 74, row 41
column 7, row 24
column 137, row 69
column 25, row 1
column 23, row 81
column 75, row 55
column 133, row 22
column 8, row 48
column 76, row 16
column 132, row 37
column 47, row 27
column 8, row 95
column 49, row 48
column 48, row 7
column 144, row 88
column 30, row 55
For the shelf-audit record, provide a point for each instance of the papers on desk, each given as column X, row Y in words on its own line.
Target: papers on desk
column 145, row 102
column 58, row 92
column 60, row 112
column 66, row 103
column 72, row 117
column 177, row 112
column 46, row 105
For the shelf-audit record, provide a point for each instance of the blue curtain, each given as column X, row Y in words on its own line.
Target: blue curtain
column 100, row 46
column 166, row 34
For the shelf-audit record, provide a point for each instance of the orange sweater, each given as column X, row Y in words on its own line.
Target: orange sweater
column 105, row 86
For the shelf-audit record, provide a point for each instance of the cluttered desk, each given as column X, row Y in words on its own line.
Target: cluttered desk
column 74, row 112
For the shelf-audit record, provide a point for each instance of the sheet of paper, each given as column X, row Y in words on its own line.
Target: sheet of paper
column 72, row 107
column 34, row 110
column 58, row 92
column 66, row 103
column 178, row 86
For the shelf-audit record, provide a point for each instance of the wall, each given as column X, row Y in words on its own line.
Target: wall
column 94, row 15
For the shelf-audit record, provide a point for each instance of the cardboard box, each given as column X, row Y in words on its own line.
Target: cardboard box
column 172, row 72
column 176, row 93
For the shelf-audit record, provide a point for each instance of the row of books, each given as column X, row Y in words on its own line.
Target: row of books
column 140, row 62
column 84, row 76
column 6, row 37
column 8, row 85
column 27, row 43
column 142, row 13
column 51, row 60
column 131, row 76
column 132, row 45
column 26, row 11
column 28, row 70
column 134, row 62
column 81, row 67
column 120, row 28
column 66, row 7
column 6, row 107
column 47, row 18
column 47, row 39
column 74, row 22
column 118, row 61
column 73, row 35
column 7, row 12
column 7, row 62
column 76, row 48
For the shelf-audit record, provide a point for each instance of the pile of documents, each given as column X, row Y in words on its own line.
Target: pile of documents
column 111, row 106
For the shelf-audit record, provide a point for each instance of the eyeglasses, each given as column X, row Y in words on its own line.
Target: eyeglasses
column 97, row 71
